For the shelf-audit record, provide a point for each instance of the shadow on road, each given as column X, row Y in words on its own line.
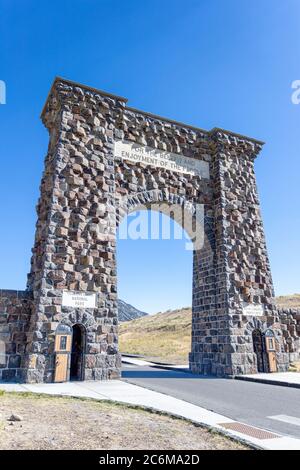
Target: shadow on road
column 162, row 374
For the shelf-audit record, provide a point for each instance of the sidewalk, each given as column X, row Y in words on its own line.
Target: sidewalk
column 285, row 379
column 132, row 394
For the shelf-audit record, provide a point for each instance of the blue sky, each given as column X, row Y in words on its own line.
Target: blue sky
column 205, row 62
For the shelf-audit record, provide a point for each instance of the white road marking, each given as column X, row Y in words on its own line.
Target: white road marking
column 286, row 419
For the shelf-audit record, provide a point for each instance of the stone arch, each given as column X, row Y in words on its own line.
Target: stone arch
column 257, row 324
column 112, row 160
column 79, row 317
column 127, row 204
column 188, row 214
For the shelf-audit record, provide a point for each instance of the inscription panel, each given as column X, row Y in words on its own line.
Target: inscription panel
column 255, row 310
column 79, row 299
column 155, row 157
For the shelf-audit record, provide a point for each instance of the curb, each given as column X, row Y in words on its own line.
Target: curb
column 267, row 381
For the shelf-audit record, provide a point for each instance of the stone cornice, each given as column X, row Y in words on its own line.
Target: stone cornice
column 79, row 85
column 219, row 134
column 222, row 140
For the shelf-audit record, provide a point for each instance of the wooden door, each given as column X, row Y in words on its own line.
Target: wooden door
column 62, row 348
column 271, row 351
column 61, row 367
column 272, row 362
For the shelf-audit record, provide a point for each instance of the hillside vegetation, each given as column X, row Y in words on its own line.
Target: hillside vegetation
column 288, row 301
column 166, row 337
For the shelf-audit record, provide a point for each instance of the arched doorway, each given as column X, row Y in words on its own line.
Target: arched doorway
column 77, row 352
column 259, row 350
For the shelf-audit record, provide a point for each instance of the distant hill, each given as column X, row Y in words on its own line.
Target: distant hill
column 127, row 312
column 288, row 301
column 166, row 337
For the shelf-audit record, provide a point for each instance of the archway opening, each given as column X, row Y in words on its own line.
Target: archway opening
column 77, row 352
column 155, row 272
column 258, row 347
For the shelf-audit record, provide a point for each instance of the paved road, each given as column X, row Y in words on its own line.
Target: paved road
column 251, row 403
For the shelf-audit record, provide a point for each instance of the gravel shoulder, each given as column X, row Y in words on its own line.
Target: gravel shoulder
column 69, row 423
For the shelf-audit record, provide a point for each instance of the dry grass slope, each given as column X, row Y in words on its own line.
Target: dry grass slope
column 166, row 337
column 288, row 301
column 161, row 337
column 68, row 423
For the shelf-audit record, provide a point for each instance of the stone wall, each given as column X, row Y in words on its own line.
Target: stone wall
column 290, row 326
column 15, row 308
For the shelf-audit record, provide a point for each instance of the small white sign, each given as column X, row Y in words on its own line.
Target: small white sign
column 254, row 310
column 161, row 159
column 78, row 299
column 2, row 352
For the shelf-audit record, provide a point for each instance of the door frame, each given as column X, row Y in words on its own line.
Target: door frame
column 81, row 374
column 258, row 333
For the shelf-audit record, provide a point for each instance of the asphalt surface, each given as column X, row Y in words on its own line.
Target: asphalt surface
column 251, row 403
